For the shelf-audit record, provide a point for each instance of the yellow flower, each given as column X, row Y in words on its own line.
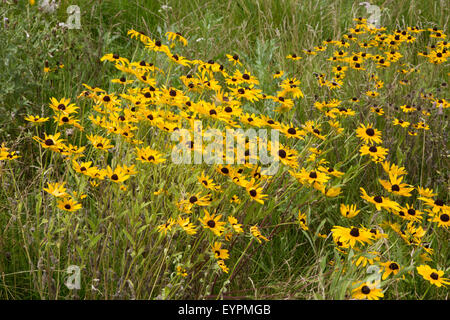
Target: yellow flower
column 352, row 235
column 69, row 204
column 257, row 234
column 432, row 275
column 367, row 291
column 35, row 119
column 219, row 253
column 302, row 220
column 56, row 189
column 348, row 211
column 237, row 227
column 390, row 267
column 213, row 223
column 186, row 225
column 165, row 227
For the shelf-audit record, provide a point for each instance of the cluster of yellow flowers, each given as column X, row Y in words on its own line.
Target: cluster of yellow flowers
column 148, row 101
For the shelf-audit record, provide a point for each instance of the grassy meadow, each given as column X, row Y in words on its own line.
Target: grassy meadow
column 358, row 208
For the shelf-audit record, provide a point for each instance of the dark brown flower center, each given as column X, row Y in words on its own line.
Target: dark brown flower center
column 313, row 175
column 354, row 232
column 370, row 132
column 393, row 266
column 365, row 290
column 434, row 276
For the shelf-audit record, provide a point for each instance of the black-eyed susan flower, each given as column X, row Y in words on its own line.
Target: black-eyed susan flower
column 432, row 275
column 99, row 142
column 213, row 223
column 114, row 57
column 352, row 235
column 406, row 108
column 377, row 153
column 369, row 134
column 237, row 227
column 52, row 142
column 218, row 252
column 166, row 227
column 436, row 205
column 314, row 128
column 223, row 266
column 255, row 191
column 5, row 154
column 426, row 192
column 118, row 175
column 181, row 271
column 148, row 155
column 367, row 291
column 172, row 36
column 367, row 258
column 63, row 119
column 69, row 204
column 254, row 230
column 56, row 189
column 83, row 167
column 122, row 80
column 199, row 200
column 399, row 122
column 301, row 219
column 207, row 182
column 390, row 267
column 395, row 185
column 379, row 201
column 35, row 119
column 278, row 74
column 442, row 219
column 63, row 106
column 377, row 234
column 311, row 177
column 235, row 199
column 348, row 211
column 293, row 56
column 234, row 59
column 378, row 110
column 393, row 169
column 186, row 225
